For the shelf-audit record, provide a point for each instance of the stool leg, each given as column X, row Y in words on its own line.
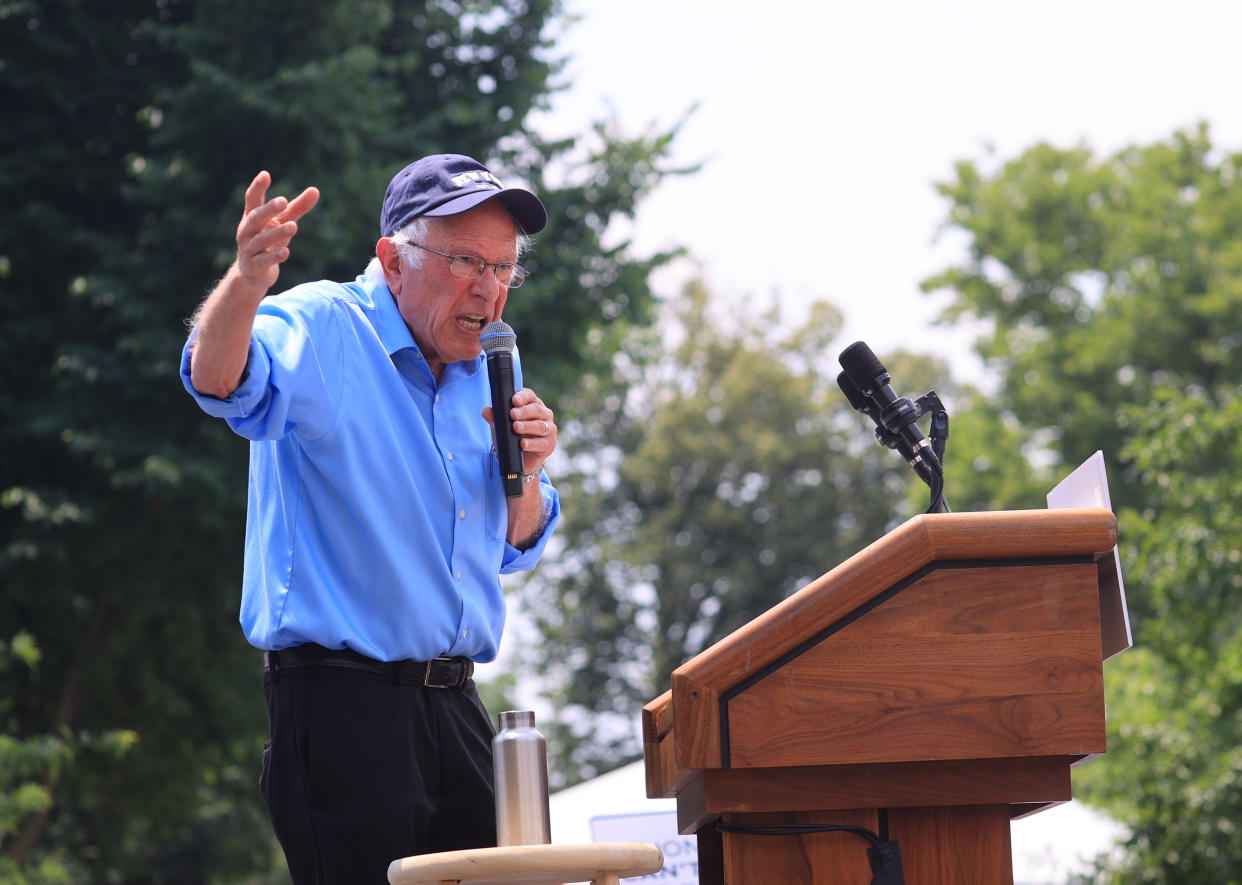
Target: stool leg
column 606, row 879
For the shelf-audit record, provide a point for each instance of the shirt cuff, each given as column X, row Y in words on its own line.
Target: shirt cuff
column 516, row 560
column 249, row 393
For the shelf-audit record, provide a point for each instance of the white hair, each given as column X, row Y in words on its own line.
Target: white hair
column 416, row 232
column 413, row 232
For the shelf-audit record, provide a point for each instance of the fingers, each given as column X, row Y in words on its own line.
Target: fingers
column 273, row 237
column 258, row 219
column 302, row 203
column 266, row 229
column 534, row 430
column 270, row 243
column 528, row 409
column 258, row 264
column 260, row 215
column 535, row 424
column 257, row 190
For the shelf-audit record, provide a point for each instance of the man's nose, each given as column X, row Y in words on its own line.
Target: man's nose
column 487, row 286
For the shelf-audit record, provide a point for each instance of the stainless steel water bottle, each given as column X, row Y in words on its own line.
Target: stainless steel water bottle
column 520, row 756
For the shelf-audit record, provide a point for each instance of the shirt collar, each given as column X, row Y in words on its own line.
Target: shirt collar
column 395, row 334
column 389, row 324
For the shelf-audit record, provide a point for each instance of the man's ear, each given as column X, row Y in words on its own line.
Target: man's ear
column 390, row 261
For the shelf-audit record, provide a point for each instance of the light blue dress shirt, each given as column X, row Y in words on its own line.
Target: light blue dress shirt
column 376, row 517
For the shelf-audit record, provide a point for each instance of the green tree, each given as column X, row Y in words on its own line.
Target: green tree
column 1102, row 280
column 728, row 474
column 1112, row 286
column 1176, row 699
column 30, row 767
column 129, row 130
column 991, row 463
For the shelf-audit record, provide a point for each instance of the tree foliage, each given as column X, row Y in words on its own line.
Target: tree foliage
column 1102, row 279
column 129, row 131
column 1113, row 287
column 1176, row 700
column 30, row 767
column 728, row 473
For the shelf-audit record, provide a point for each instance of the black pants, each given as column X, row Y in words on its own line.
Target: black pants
column 361, row 771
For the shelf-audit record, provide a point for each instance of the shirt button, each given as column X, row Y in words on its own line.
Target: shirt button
column 449, row 455
column 461, row 514
column 465, row 633
column 437, row 397
column 458, row 575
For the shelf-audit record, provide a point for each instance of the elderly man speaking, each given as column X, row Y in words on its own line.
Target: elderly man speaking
column 377, row 526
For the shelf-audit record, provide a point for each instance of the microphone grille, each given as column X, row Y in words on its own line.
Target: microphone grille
column 498, row 337
column 861, row 365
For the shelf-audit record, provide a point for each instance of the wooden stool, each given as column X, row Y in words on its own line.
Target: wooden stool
column 604, row 863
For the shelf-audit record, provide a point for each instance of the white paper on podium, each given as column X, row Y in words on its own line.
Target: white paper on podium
column 1087, row 486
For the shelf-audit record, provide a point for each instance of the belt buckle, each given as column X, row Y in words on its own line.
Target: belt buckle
column 427, row 683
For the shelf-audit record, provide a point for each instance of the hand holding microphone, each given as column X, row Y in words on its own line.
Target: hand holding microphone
column 525, row 427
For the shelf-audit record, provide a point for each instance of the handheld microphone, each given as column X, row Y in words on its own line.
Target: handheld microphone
column 498, row 341
column 895, row 415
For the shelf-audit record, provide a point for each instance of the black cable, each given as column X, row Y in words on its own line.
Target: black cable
column 938, row 503
column 884, row 857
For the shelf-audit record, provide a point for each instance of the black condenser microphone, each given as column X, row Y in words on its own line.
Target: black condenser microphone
column 498, row 340
column 895, row 415
column 867, row 406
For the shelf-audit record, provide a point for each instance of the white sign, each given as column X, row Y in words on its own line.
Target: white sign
column 1087, row 486
column 681, row 853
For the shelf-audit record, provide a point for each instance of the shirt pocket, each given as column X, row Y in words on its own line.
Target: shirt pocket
column 496, row 506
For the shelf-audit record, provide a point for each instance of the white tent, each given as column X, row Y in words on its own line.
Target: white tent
column 1047, row 847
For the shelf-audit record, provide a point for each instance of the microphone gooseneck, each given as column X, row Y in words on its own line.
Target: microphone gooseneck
column 498, row 340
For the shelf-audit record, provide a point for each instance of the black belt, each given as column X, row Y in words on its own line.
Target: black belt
column 437, row 673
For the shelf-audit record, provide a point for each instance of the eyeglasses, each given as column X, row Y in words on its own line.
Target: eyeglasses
column 472, row 266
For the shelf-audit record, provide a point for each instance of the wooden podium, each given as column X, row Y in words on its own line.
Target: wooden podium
column 931, row 688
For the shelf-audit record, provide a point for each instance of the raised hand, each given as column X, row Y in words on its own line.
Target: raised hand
column 223, row 321
column 266, row 229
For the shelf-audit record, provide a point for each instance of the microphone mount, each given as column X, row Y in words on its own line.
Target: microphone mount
column 904, row 412
column 865, row 383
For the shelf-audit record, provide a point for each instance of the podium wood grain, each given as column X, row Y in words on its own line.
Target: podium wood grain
column 956, row 846
column 698, row 684
column 994, row 662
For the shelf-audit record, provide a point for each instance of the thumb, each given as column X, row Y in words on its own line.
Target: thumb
column 487, row 415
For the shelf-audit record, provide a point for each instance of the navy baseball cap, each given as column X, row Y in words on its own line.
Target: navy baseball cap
column 445, row 184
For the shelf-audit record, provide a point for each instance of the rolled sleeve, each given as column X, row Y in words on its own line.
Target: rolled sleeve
column 293, row 376
column 249, row 395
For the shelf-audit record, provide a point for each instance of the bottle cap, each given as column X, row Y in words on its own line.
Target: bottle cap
column 517, row 719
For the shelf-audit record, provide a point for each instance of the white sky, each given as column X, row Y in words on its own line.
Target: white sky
column 824, row 125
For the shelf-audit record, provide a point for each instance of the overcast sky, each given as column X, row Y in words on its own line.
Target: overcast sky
column 824, row 125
